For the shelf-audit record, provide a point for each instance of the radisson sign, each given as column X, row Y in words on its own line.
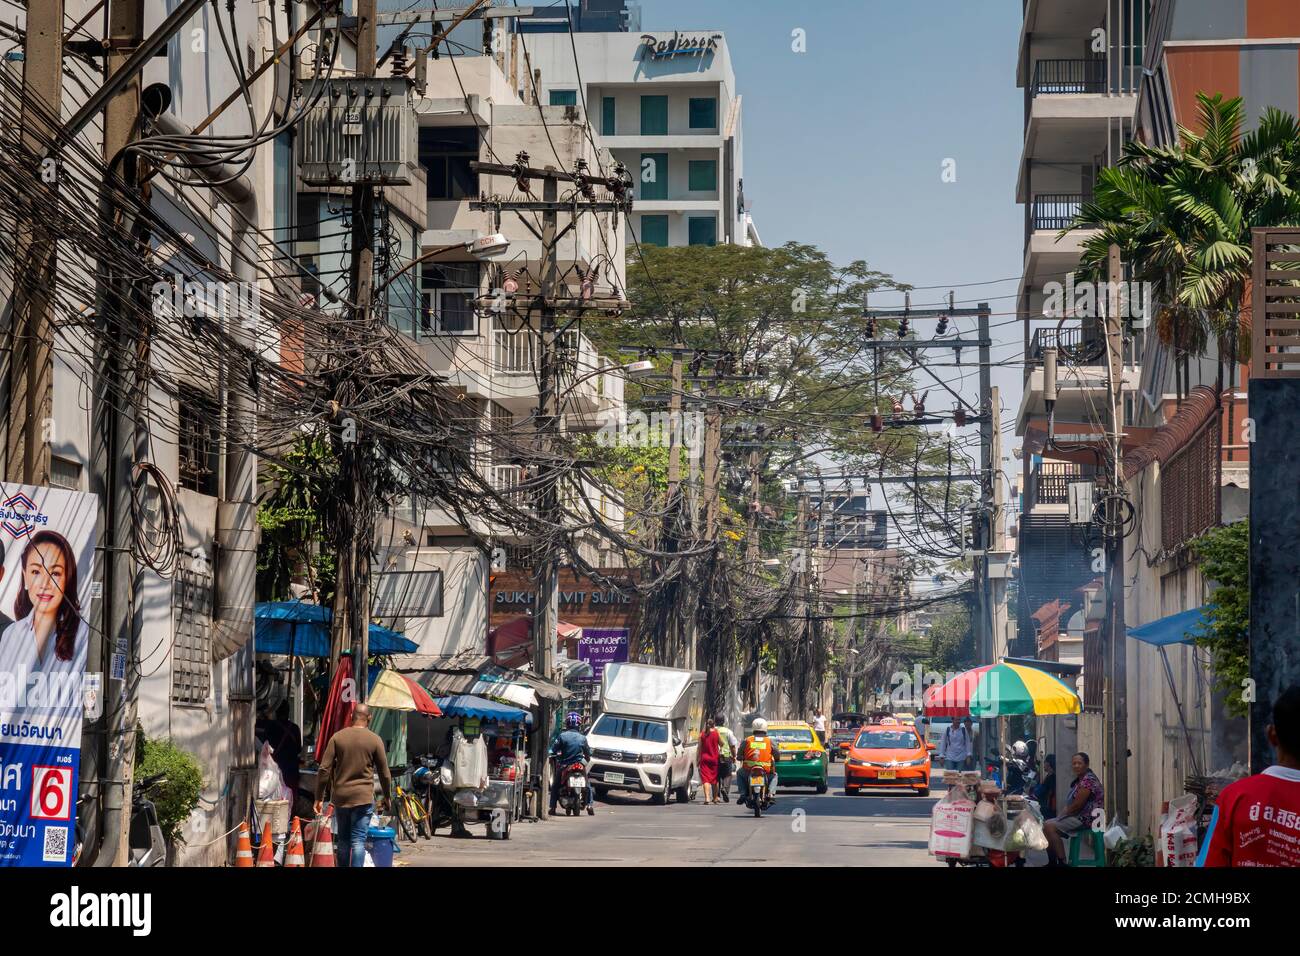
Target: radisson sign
column 654, row 48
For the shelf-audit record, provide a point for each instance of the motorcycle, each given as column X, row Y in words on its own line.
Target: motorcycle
column 757, row 794
column 145, row 838
column 1022, row 776
column 573, row 789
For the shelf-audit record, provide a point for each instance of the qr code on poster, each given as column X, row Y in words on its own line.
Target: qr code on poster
column 56, row 845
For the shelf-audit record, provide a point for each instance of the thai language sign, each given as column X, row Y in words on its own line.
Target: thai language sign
column 600, row 646
column 47, row 547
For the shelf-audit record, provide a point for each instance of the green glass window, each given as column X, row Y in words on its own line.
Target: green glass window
column 703, row 175
column 654, row 175
column 564, row 97
column 654, row 230
column 704, row 112
column 654, row 116
column 702, row 230
column 607, row 115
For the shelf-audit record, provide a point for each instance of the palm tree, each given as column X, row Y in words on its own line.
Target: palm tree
column 1182, row 217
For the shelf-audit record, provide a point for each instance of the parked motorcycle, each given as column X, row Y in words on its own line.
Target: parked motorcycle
column 1022, row 775
column 573, row 789
column 756, row 792
column 145, row 838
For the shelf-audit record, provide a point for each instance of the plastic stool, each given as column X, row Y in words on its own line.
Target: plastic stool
column 1098, row 857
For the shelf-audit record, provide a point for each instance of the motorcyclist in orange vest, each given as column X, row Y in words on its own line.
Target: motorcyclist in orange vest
column 758, row 750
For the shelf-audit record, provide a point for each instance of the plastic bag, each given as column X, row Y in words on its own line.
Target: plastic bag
column 270, row 782
column 1115, row 836
column 1028, row 831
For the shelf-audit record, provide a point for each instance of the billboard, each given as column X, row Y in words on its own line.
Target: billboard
column 47, row 536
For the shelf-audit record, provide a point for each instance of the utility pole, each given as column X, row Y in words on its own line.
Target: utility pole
column 30, row 366
column 1117, row 643
column 672, row 517
column 111, row 450
column 351, row 621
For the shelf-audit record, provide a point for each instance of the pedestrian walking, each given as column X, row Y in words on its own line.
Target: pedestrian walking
column 955, row 747
column 728, row 743
column 1255, row 820
column 352, row 758
column 819, row 725
column 708, row 755
column 970, row 734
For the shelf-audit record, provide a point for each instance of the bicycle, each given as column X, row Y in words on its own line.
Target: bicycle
column 412, row 818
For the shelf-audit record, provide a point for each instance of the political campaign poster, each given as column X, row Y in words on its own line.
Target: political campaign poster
column 47, row 550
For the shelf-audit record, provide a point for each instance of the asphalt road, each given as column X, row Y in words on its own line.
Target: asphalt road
column 878, row 828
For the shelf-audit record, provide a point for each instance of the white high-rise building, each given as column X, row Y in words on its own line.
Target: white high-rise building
column 666, row 106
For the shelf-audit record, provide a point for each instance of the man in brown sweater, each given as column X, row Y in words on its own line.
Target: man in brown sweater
column 352, row 757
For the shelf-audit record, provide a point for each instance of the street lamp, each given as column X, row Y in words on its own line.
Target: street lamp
column 484, row 248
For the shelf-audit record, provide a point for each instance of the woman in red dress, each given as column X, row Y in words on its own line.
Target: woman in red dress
column 708, row 754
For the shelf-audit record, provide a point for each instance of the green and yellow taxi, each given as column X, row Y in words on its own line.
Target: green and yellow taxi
column 801, row 761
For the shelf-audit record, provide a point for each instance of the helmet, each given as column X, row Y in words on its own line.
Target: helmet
column 573, row 720
column 759, row 726
column 1019, row 749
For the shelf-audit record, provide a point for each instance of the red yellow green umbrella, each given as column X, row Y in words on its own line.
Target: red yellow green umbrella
column 1001, row 690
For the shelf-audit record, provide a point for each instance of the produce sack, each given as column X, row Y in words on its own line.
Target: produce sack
column 1178, row 832
column 952, row 825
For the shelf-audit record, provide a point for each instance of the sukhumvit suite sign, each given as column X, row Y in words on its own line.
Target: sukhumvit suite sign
column 47, row 547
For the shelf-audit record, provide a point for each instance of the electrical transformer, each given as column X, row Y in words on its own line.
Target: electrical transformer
column 361, row 130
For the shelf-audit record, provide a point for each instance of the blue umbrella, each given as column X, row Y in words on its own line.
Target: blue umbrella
column 303, row 630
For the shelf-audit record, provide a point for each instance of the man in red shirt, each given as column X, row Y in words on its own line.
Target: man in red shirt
column 1256, row 821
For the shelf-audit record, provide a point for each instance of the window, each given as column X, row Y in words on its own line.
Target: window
column 607, row 115
column 447, row 293
column 192, row 638
column 629, row 728
column 654, row 175
column 654, row 116
column 704, row 112
column 654, row 230
column 445, row 154
column 285, row 193
column 703, row 175
column 197, row 440
column 702, row 230
column 564, row 97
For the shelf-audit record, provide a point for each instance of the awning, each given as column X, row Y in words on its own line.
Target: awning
column 1181, row 628
column 467, row 705
column 297, row 628
column 511, row 644
column 478, row 674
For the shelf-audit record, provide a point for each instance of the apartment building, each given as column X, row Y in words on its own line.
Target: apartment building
column 666, row 106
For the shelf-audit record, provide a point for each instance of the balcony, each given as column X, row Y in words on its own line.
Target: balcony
column 1074, row 346
column 1069, row 77
column 1055, row 211
column 1051, row 480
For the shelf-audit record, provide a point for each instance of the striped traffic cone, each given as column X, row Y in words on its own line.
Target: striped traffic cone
column 243, row 849
column 266, row 850
column 293, row 855
column 322, row 848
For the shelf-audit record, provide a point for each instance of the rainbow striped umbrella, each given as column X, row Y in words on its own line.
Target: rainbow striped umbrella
column 1001, row 690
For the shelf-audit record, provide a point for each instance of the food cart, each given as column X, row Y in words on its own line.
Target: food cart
column 496, row 796
column 976, row 823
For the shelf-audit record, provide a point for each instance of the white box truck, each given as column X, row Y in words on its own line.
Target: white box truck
column 648, row 734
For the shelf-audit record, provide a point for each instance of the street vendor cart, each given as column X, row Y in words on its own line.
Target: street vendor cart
column 976, row 822
column 493, row 793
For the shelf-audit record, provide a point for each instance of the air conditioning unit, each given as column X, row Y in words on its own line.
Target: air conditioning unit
column 1080, row 497
column 360, row 130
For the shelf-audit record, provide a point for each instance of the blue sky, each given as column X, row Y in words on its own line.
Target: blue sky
column 845, row 143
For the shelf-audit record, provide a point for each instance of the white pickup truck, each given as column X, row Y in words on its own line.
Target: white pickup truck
column 647, row 736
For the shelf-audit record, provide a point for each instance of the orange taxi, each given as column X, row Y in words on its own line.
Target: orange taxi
column 888, row 754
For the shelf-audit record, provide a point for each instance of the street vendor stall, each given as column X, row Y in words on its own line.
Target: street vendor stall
column 976, row 822
column 481, row 742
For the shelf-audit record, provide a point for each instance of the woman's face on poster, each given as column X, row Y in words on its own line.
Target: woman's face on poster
column 44, row 576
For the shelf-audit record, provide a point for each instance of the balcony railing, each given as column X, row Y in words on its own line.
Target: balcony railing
column 1053, row 480
column 516, row 352
column 1075, row 346
column 1056, row 211
column 1069, row 76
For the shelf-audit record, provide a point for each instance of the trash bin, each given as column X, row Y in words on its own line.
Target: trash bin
column 381, row 844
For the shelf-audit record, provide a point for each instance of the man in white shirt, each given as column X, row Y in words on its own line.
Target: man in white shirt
column 819, row 725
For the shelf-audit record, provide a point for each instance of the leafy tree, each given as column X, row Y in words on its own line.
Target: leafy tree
column 296, row 516
column 1224, row 554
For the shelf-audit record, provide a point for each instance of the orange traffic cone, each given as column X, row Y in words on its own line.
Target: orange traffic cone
column 293, row 855
column 266, row 849
column 322, row 848
column 243, row 849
